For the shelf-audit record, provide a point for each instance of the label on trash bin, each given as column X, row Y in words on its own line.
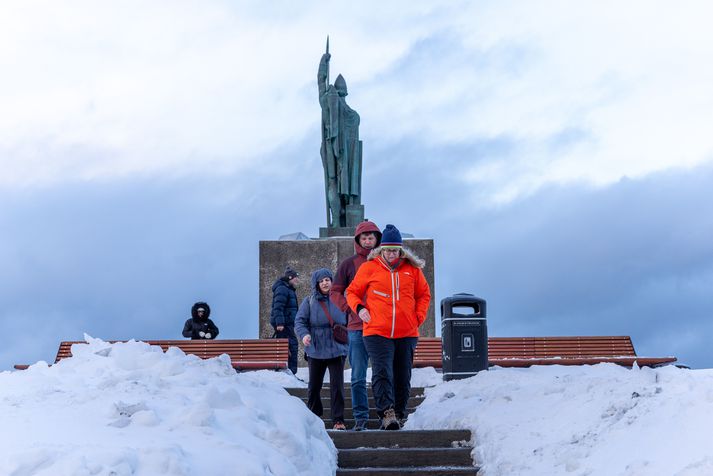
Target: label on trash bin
column 463, row 322
column 467, row 343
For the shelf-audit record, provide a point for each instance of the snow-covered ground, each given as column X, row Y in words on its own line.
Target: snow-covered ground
column 130, row 409
column 588, row 420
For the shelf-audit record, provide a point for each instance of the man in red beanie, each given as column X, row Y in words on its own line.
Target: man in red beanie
column 366, row 238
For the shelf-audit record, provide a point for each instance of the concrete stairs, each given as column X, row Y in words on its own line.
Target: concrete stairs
column 407, row 452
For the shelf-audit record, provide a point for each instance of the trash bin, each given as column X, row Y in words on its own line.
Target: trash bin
column 464, row 336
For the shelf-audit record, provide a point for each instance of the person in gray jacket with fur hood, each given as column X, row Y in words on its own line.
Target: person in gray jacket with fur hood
column 314, row 329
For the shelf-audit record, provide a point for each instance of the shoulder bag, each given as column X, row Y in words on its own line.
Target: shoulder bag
column 339, row 331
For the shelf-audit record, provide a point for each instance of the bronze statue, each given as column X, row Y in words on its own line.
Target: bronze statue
column 341, row 150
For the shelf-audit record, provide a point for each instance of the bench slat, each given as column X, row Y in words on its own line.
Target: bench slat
column 560, row 350
column 263, row 365
column 252, row 354
column 245, row 354
column 624, row 360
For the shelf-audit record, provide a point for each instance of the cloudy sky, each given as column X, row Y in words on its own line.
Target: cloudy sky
column 558, row 153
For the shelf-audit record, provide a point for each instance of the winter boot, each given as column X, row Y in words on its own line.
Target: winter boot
column 389, row 421
column 359, row 425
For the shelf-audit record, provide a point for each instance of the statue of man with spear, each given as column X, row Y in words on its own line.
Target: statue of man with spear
column 341, row 149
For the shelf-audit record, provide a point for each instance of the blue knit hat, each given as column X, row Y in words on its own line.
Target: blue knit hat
column 391, row 237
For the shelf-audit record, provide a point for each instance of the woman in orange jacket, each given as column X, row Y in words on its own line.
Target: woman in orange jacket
column 390, row 294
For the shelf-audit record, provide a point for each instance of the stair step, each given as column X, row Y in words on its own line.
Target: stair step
column 389, row 453
column 404, row 457
column 348, row 412
column 420, row 471
column 302, row 392
column 413, row 402
column 371, row 423
column 400, row 439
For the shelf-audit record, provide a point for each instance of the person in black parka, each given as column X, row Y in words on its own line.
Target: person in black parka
column 199, row 326
column 284, row 309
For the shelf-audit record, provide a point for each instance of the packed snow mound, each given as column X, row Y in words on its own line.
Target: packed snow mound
column 131, row 409
column 581, row 420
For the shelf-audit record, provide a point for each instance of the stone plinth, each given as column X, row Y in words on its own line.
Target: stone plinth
column 337, row 232
column 355, row 215
column 307, row 255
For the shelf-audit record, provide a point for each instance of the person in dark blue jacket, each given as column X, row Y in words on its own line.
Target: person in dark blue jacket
column 284, row 309
column 315, row 330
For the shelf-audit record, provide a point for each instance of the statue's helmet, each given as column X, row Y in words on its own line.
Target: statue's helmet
column 341, row 85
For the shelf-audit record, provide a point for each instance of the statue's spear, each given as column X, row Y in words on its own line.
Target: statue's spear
column 330, row 222
column 327, row 61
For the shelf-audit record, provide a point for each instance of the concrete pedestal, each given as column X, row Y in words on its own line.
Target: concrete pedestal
column 337, row 232
column 307, row 255
column 355, row 215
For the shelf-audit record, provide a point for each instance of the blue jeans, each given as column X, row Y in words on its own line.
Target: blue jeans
column 359, row 361
column 391, row 363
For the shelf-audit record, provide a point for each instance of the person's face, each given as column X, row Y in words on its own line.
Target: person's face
column 325, row 284
column 367, row 240
column 200, row 313
column 390, row 254
column 295, row 281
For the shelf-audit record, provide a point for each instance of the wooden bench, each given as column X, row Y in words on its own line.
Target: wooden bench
column 245, row 354
column 527, row 351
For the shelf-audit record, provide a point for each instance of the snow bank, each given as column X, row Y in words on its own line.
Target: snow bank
column 589, row 420
column 130, row 409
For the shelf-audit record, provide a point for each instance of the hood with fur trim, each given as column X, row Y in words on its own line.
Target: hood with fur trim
column 194, row 310
column 406, row 253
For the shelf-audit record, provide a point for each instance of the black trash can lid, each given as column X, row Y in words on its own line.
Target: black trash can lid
column 464, row 298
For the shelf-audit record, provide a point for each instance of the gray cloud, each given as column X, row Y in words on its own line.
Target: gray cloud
column 140, row 174
column 126, row 259
column 632, row 258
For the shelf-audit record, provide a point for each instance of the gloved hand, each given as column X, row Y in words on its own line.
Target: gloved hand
column 201, row 334
column 207, row 335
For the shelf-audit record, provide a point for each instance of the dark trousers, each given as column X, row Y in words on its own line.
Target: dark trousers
column 317, row 367
column 288, row 332
column 391, row 363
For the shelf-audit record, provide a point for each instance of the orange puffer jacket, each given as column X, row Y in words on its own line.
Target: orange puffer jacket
column 397, row 299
